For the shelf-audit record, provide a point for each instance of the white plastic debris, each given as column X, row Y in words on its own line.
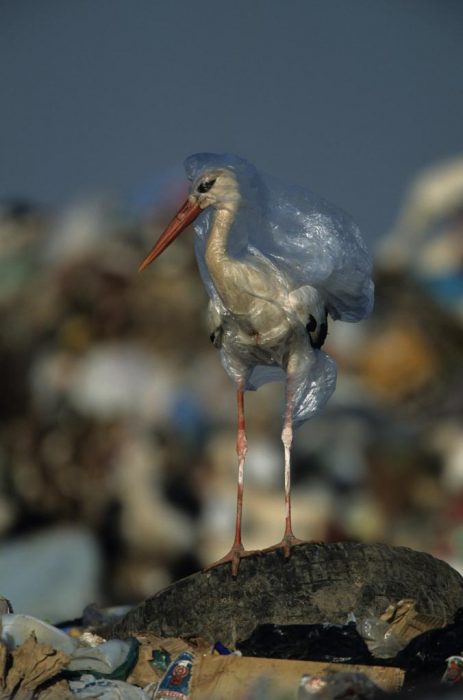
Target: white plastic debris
column 379, row 637
column 16, row 629
column 104, row 689
column 103, row 659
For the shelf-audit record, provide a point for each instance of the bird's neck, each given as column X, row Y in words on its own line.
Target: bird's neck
column 216, row 249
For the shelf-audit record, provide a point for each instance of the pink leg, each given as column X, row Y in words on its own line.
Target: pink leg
column 241, row 449
column 287, row 438
column 237, row 550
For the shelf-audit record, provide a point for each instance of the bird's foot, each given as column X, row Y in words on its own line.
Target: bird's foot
column 236, row 553
column 289, row 541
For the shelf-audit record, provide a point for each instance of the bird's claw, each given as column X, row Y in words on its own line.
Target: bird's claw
column 287, row 543
column 236, row 553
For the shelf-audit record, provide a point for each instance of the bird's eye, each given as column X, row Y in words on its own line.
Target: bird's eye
column 205, row 186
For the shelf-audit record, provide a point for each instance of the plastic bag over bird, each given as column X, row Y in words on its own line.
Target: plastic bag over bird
column 309, row 241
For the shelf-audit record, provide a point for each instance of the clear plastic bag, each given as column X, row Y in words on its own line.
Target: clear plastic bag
column 303, row 248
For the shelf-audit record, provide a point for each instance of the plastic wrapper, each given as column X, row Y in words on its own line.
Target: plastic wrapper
column 454, row 672
column 335, row 685
column 176, row 681
column 380, row 638
column 308, row 255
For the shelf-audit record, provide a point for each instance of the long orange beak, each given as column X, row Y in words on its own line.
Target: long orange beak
column 185, row 215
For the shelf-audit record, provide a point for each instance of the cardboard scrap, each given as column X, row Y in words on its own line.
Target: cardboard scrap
column 407, row 623
column 58, row 691
column 225, row 677
column 32, row 664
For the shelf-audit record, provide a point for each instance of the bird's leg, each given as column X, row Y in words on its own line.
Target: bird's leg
column 237, row 550
column 287, row 438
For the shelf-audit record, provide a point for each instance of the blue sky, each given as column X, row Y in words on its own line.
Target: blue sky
column 348, row 97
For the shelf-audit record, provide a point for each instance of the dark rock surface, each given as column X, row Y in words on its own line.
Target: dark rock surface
column 318, row 583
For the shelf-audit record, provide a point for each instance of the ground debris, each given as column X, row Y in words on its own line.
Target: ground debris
column 57, row 691
column 28, row 667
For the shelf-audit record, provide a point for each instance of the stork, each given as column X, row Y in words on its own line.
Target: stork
column 276, row 262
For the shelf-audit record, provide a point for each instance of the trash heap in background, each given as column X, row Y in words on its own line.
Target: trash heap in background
column 117, row 433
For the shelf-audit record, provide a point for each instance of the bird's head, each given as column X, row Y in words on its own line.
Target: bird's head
column 212, row 185
column 216, row 188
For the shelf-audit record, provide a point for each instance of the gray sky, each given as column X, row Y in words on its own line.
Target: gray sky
column 349, row 97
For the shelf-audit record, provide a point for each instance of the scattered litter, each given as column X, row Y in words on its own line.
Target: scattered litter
column 17, row 629
column 454, row 671
column 176, row 681
column 380, row 638
column 112, row 659
column 90, row 639
column 307, row 642
column 94, row 616
column 106, row 689
column 334, row 685
column 161, row 660
column 389, row 633
column 27, row 667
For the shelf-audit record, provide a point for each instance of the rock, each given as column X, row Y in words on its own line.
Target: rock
column 316, row 584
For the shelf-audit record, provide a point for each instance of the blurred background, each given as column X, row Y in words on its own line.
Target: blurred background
column 117, row 456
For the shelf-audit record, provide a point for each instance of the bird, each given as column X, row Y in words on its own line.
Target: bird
column 277, row 262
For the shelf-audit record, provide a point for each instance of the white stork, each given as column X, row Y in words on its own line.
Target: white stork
column 276, row 261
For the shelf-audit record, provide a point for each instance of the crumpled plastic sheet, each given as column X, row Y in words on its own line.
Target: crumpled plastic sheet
column 380, row 639
column 301, row 242
column 104, row 689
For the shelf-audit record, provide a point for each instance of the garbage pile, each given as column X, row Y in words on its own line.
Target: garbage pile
column 361, row 660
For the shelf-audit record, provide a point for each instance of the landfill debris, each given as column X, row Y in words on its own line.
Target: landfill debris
column 89, row 639
column 220, row 648
column 380, row 638
column 95, row 616
column 27, row 667
column 335, row 685
column 325, row 661
column 407, row 622
column 156, row 653
column 425, row 657
column 113, row 659
column 454, row 671
column 17, row 629
column 105, row 689
column 389, row 633
column 58, row 691
column 225, row 677
column 160, row 659
column 307, row 642
column 176, row 681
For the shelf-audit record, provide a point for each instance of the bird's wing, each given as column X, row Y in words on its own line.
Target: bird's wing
column 314, row 243
column 310, row 241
